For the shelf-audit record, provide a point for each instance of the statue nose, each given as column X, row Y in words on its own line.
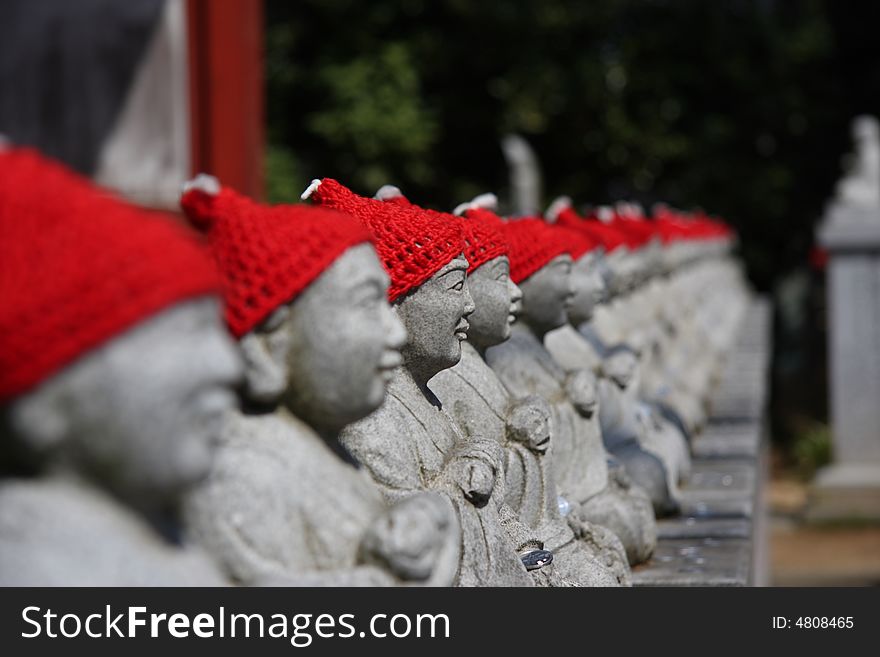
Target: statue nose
column 395, row 331
column 469, row 305
column 516, row 294
column 227, row 359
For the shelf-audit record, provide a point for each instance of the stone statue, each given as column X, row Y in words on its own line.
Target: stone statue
column 629, row 426
column 861, row 184
column 471, row 392
column 636, row 323
column 411, row 444
column 286, row 502
column 115, row 370
column 541, row 266
column 524, row 174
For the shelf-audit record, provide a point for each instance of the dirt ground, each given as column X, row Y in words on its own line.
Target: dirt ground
column 817, row 555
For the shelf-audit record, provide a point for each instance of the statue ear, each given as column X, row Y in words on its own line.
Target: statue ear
column 265, row 351
column 38, row 421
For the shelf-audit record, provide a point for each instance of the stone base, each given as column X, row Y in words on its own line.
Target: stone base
column 846, row 491
column 692, row 527
column 697, row 562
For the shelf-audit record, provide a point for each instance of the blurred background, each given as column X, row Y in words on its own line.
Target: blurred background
column 740, row 107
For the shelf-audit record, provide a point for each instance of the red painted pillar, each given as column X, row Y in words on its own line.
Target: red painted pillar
column 225, row 43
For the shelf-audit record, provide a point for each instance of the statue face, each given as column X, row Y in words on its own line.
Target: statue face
column 639, row 265
column 589, row 289
column 435, row 316
column 580, row 386
column 546, row 294
column 620, row 367
column 139, row 415
column 344, row 343
column 497, row 300
column 614, row 272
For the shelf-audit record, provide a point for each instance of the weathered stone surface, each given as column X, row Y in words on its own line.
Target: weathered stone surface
column 133, row 444
column 411, row 444
column 597, row 558
column 850, row 486
column 728, row 440
column 285, row 503
column 482, row 406
column 716, row 504
column 722, row 474
column 697, row 562
column 719, row 540
column 692, row 527
column 849, row 491
column 581, row 468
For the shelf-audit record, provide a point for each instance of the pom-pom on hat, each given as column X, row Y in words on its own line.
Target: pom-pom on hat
column 266, row 254
column 80, row 267
column 533, row 243
column 483, row 239
column 413, row 244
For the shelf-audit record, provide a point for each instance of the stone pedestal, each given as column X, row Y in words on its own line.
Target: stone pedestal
column 721, row 537
column 850, row 487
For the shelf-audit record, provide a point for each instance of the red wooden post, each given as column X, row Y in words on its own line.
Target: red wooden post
column 225, row 42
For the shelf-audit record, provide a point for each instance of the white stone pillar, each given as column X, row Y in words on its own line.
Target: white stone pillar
column 850, row 486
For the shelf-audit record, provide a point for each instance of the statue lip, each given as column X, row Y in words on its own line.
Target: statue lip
column 212, row 406
column 391, row 360
column 216, row 401
column 462, row 329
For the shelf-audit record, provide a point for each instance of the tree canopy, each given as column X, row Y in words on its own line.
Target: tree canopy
column 739, row 107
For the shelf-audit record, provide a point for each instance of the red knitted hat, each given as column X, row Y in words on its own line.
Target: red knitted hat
column 267, row 254
column 578, row 242
column 483, row 239
column 671, row 225
column 533, row 243
column 674, row 226
column 608, row 236
column 638, row 231
column 413, row 244
column 80, row 267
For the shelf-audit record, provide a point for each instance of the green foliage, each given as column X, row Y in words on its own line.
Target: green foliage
column 812, row 448
column 282, row 176
column 733, row 106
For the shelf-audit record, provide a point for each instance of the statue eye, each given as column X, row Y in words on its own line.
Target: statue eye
column 458, row 287
column 366, row 296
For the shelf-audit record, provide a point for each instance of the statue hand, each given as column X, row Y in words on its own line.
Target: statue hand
column 580, row 387
column 618, row 474
column 620, row 367
column 408, row 538
column 528, row 422
column 475, row 478
column 474, row 466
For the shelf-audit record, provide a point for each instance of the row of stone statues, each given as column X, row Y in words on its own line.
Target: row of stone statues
column 393, row 396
